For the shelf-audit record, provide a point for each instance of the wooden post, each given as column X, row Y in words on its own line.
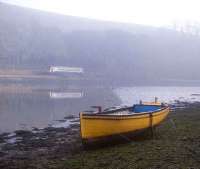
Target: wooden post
column 99, row 108
column 156, row 99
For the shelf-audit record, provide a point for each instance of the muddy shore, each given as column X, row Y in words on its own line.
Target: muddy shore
column 37, row 148
column 176, row 144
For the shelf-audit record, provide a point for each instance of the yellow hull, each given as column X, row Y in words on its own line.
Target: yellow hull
column 101, row 126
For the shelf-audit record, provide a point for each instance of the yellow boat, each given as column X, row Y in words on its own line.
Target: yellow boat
column 122, row 120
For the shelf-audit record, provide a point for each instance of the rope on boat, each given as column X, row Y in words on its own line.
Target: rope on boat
column 173, row 123
column 151, row 123
column 125, row 137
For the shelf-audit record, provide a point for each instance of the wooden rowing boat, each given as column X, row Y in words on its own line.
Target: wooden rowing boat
column 122, row 120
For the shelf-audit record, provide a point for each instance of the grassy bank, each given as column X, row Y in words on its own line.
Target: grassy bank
column 176, row 144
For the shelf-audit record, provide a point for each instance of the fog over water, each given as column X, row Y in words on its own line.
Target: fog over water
column 112, row 56
column 26, row 109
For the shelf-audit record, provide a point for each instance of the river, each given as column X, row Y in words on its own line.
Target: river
column 28, row 106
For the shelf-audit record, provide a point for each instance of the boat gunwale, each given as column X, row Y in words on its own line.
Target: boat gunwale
column 125, row 116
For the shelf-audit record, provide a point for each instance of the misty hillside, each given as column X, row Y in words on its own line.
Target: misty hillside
column 36, row 40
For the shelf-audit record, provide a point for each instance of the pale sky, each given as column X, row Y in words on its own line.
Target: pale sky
column 147, row 12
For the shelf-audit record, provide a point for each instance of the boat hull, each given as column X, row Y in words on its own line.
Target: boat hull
column 96, row 126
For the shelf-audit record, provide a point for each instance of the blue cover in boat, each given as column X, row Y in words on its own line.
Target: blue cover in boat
column 145, row 108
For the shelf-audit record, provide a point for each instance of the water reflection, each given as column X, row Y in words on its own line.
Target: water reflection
column 25, row 106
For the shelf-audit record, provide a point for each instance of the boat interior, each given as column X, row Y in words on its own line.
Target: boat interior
column 138, row 108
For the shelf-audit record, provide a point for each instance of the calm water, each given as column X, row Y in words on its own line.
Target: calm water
column 24, row 107
column 168, row 94
column 27, row 106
